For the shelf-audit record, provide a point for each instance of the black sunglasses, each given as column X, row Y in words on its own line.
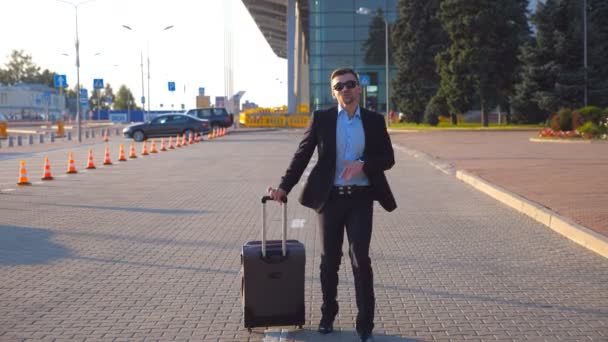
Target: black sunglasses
column 348, row 84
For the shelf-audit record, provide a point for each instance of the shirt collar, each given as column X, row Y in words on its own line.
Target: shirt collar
column 342, row 111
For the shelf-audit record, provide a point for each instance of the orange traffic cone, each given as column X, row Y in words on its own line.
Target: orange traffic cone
column 23, row 174
column 121, row 153
column 106, row 159
column 46, row 174
column 153, row 148
column 196, row 138
column 90, row 163
column 162, row 144
column 71, row 164
column 191, row 139
column 184, row 141
column 132, row 152
column 144, row 149
column 105, row 135
column 177, row 142
column 171, row 147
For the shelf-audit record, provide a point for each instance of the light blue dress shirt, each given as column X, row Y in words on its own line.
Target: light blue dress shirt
column 350, row 142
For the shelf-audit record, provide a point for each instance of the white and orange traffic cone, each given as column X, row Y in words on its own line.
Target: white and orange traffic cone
column 177, row 142
column 153, row 148
column 71, row 164
column 46, row 173
column 171, row 147
column 191, row 139
column 23, row 174
column 184, row 141
column 90, row 163
column 121, row 153
column 132, row 154
column 105, row 136
column 162, row 144
column 144, row 148
column 106, row 159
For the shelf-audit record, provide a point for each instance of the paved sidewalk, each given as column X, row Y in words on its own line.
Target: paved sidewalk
column 149, row 250
column 567, row 178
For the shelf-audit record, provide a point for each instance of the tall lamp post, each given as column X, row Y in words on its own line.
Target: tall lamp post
column 142, row 66
column 78, row 115
column 367, row 11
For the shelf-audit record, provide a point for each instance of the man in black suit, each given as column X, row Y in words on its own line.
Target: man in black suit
column 354, row 150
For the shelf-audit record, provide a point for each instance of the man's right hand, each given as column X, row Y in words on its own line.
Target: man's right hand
column 278, row 195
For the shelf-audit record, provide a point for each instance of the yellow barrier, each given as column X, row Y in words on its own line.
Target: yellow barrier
column 274, row 120
column 3, row 133
column 60, row 129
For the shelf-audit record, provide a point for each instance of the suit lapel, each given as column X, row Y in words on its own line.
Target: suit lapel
column 330, row 136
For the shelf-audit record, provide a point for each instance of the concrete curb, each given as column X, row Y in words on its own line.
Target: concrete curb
column 573, row 231
column 566, row 141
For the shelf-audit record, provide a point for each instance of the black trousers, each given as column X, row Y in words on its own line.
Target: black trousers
column 353, row 213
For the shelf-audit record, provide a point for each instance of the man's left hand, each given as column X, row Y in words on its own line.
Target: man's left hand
column 351, row 169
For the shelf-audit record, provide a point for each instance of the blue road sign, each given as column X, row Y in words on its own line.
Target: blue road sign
column 171, row 86
column 364, row 80
column 60, row 81
column 108, row 99
column 98, row 83
column 84, row 93
column 143, row 99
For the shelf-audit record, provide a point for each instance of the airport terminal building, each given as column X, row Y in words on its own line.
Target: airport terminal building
column 318, row 36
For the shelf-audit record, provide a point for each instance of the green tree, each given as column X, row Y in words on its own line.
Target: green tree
column 552, row 76
column 19, row 69
column 597, row 53
column 419, row 37
column 482, row 58
column 375, row 45
column 124, row 99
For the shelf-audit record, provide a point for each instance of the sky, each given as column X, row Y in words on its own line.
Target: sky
column 191, row 54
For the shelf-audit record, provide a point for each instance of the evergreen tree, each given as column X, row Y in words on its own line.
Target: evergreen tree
column 553, row 73
column 482, row 58
column 418, row 38
column 597, row 40
column 375, row 45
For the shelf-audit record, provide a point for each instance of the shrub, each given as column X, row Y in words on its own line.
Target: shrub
column 431, row 118
column 591, row 113
column 554, row 122
column 589, row 129
column 577, row 120
column 565, row 119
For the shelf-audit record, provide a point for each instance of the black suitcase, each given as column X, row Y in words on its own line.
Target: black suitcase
column 272, row 285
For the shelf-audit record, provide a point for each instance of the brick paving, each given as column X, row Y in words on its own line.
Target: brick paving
column 564, row 177
column 149, row 250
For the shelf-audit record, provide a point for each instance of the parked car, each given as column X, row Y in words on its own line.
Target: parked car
column 218, row 117
column 166, row 125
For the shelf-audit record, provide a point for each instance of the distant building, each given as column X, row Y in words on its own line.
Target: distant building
column 248, row 105
column 31, row 102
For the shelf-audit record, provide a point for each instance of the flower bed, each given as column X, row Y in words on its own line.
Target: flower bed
column 574, row 134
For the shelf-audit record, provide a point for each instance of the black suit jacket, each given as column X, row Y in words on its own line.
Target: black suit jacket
column 321, row 134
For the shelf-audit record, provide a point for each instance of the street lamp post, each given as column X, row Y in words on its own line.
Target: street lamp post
column 367, row 11
column 77, row 66
column 142, row 66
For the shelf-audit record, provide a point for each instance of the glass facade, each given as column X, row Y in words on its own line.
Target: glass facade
column 337, row 33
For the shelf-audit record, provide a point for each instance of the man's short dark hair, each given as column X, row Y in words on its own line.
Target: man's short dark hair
column 343, row 71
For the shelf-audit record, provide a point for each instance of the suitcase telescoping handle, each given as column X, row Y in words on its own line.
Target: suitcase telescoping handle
column 284, row 219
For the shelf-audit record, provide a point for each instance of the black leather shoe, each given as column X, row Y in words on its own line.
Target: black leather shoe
column 326, row 328
column 366, row 337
